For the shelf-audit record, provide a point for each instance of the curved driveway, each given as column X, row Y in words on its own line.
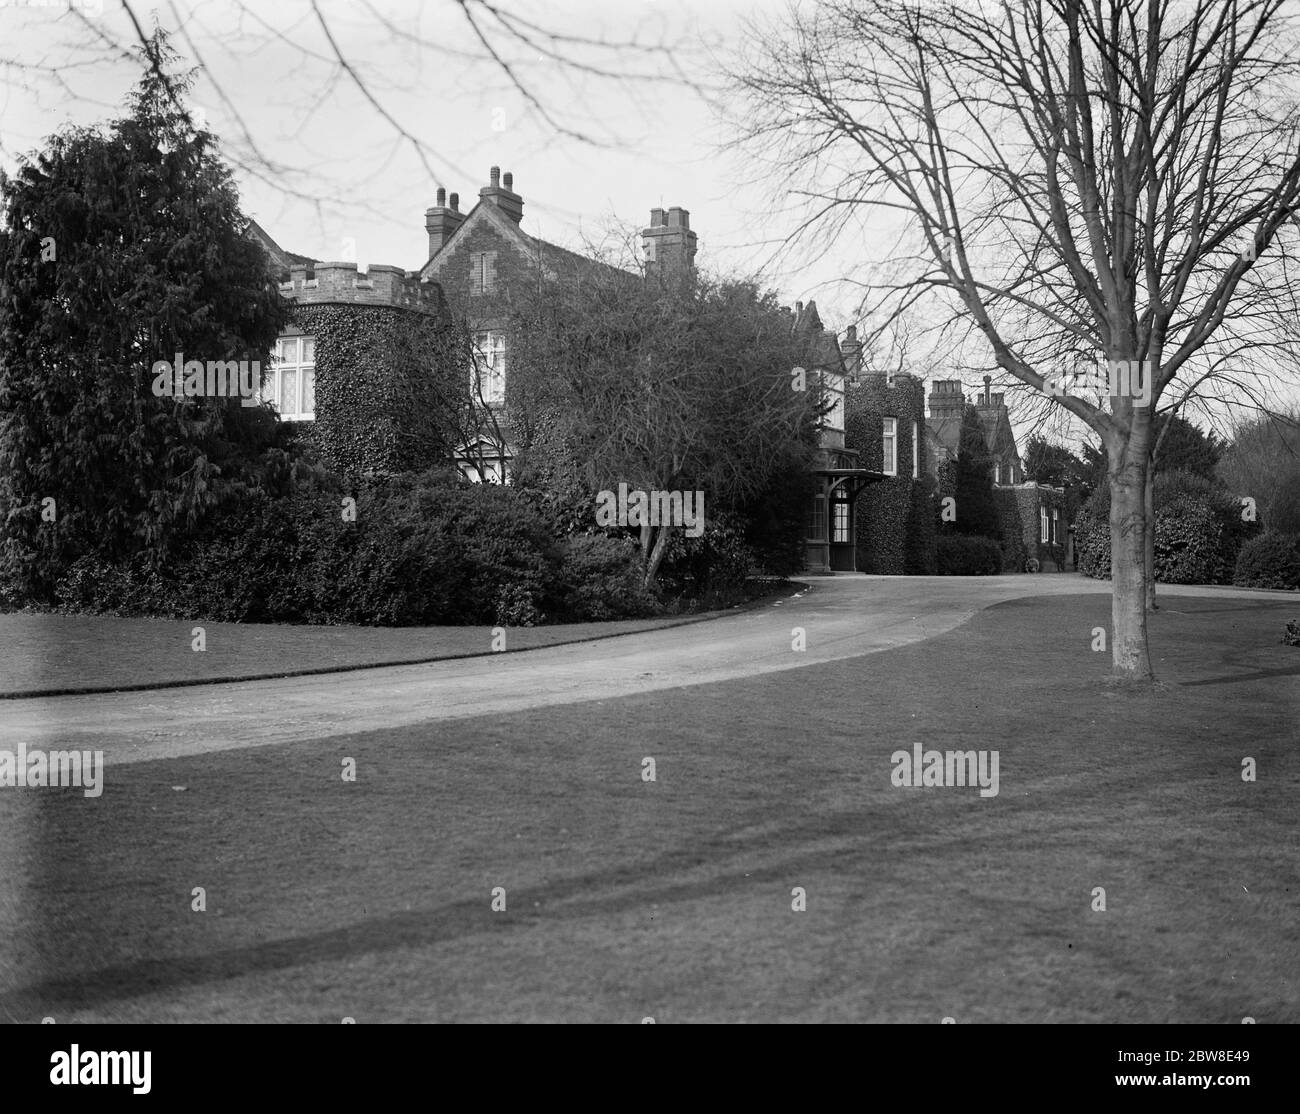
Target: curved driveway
column 842, row 617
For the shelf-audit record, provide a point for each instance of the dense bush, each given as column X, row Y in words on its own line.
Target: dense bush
column 1188, row 540
column 1092, row 546
column 602, row 580
column 774, row 519
column 709, row 571
column 421, row 550
column 1271, row 560
column 967, row 555
column 1199, row 531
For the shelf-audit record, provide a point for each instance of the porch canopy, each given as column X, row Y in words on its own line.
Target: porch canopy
column 850, row 480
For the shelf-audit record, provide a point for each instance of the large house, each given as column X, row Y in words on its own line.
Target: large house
column 870, row 502
column 477, row 257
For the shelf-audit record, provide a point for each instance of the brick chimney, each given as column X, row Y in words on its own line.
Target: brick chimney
column 851, row 350
column 947, row 400
column 503, row 197
column 669, row 242
column 442, row 220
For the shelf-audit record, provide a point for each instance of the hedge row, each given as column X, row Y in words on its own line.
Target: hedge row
column 1199, row 532
column 967, row 555
column 417, row 551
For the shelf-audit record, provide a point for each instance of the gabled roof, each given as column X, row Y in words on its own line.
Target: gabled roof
column 282, row 260
column 944, row 433
column 488, row 212
column 824, row 346
column 997, row 427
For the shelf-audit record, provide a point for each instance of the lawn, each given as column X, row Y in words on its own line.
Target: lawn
column 51, row 655
column 672, row 899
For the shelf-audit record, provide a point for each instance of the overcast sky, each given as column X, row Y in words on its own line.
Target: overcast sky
column 271, row 87
column 344, row 171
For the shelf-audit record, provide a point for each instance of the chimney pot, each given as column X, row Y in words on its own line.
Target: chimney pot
column 851, row 333
column 509, row 180
column 455, row 203
column 442, row 197
column 496, row 177
column 798, row 307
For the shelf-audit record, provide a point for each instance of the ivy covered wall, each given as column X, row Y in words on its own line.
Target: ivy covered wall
column 1018, row 512
column 895, row 515
column 391, row 386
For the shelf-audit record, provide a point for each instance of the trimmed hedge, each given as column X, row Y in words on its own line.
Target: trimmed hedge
column 1271, row 560
column 967, row 555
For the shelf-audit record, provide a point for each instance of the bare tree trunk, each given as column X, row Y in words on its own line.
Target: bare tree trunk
column 1128, row 570
column 1149, row 536
column 656, row 557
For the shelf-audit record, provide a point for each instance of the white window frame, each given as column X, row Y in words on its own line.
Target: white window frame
column 889, row 446
column 270, row 393
column 1044, row 523
column 496, row 463
column 1056, row 526
column 916, row 450
column 489, row 357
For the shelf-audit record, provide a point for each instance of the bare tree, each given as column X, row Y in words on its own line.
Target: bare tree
column 1108, row 178
column 1264, row 460
column 485, row 39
